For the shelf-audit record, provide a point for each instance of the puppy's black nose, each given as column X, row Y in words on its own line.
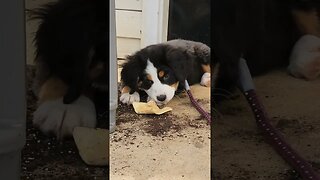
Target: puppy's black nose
column 161, row 97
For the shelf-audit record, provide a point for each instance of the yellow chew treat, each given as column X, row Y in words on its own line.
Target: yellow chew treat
column 149, row 108
column 93, row 145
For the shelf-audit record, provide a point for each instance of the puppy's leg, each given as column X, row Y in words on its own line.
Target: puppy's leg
column 206, row 77
column 75, row 89
column 79, row 79
column 53, row 116
column 202, row 52
column 51, row 89
column 312, row 70
column 128, row 96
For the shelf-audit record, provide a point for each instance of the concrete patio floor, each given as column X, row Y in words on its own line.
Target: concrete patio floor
column 175, row 145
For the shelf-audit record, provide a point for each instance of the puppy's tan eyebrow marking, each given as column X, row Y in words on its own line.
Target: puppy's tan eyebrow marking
column 206, row 68
column 161, row 74
column 125, row 89
column 149, row 77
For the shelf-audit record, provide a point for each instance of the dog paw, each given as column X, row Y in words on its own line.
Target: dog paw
column 128, row 99
column 60, row 119
column 206, row 79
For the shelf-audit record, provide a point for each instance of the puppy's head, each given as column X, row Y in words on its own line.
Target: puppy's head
column 158, row 70
column 159, row 83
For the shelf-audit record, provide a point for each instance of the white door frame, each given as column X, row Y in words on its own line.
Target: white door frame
column 154, row 21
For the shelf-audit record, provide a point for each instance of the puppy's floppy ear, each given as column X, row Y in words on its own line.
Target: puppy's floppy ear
column 132, row 69
column 178, row 61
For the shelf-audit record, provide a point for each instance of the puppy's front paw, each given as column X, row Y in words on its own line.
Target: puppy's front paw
column 206, row 79
column 128, row 99
column 56, row 117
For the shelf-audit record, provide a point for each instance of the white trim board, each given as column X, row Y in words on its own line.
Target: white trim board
column 154, row 21
column 140, row 23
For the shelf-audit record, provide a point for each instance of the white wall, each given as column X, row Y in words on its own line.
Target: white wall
column 140, row 23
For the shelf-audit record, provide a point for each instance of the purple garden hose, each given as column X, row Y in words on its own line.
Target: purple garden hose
column 272, row 136
column 195, row 103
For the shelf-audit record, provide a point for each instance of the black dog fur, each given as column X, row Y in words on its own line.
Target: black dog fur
column 180, row 59
column 72, row 38
column 71, row 80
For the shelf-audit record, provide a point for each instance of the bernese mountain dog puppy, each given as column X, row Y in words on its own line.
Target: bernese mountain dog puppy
column 160, row 70
column 262, row 32
column 71, row 64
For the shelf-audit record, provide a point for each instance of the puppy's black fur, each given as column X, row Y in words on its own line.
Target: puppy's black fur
column 261, row 31
column 183, row 64
column 72, row 39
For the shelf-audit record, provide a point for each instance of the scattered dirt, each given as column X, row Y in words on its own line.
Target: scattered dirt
column 173, row 145
column 156, row 125
column 293, row 126
column 43, row 157
column 160, row 127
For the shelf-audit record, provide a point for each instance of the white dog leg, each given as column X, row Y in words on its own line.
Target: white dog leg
column 60, row 119
column 206, row 79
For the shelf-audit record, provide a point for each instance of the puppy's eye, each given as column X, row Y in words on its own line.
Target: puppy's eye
column 150, row 82
column 165, row 77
